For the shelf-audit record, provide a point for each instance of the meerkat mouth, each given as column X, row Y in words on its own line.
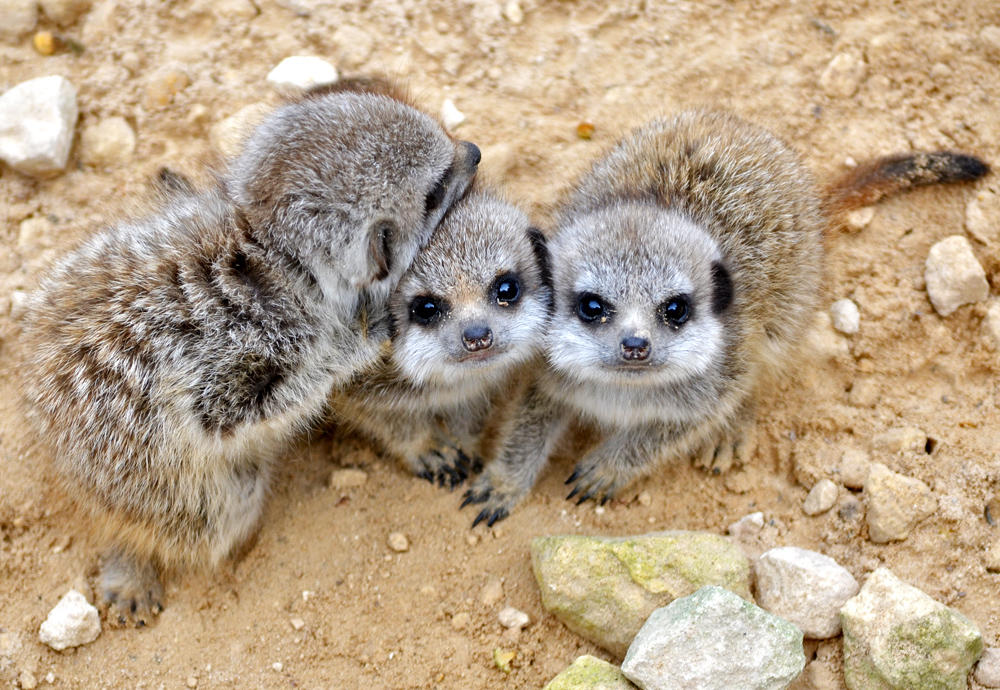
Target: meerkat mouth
column 480, row 358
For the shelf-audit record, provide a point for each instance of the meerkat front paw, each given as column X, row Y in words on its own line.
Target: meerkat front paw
column 446, row 465
column 594, row 479
column 733, row 448
column 497, row 496
column 130, row 590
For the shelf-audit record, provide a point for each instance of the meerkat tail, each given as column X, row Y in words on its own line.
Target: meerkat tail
column 873, row 180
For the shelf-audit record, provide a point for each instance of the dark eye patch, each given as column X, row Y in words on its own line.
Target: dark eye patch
column 722, row 288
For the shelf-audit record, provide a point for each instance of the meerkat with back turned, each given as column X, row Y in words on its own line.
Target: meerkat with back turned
column 686, row 264
column 469, row 318
column 173, row 356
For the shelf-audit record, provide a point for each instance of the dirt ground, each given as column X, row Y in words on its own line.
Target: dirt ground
column 321, row 600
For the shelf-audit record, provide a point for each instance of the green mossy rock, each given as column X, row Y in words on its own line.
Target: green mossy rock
column 590, row 673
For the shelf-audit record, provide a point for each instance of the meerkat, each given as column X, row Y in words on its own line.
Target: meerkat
column 173, row 356
column 686, row 267
column 469, row 317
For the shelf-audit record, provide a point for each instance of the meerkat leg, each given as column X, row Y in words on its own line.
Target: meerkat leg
column 130, row 589
column 523, row 452
column 734, row 445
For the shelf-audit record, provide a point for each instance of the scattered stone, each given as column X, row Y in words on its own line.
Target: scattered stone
column 895, row 504
column 843, row 75
column 864, row 393
column 64, row 12
column 992, row 323
column 44, row 42
column 34, row 233
column 348, row 478
column 227, row 135
column 36, row 125
column 278, row 666
column 714, row 639
column 511, row 617
column 108, row 142
column 992, row 560
column 451, row 116
column 297, row 623
column 845, row 316
column 988, row 669
column 164, row 85
column 895, row 636
column 859, row 218
column 954, row 276
column 645, row 499
column 73, row 622
column 10, row 644
column 821, row 497
column 900, row 440
column 492, row 592
column 354, row 45
column 604, row 588
column 50, row 678
column 804, row 587
column 823, row 341
column 854, row 467
column 747, row 526
column 398, row 542
column 590, row 673
column 513, row 12
column 989, row 40
column 17, row 17
column 460, row 621
column 191, row 682
column 27, row 680
column 982, row 217
column 302, row 72
column 502, row 658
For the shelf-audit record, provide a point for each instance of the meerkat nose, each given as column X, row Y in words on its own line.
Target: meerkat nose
column 635, row 349
column 477, row 338
column 474, row 155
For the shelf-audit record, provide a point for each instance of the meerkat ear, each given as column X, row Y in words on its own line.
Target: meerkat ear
column 381, row 237
column 722, row 287
column 170, row 183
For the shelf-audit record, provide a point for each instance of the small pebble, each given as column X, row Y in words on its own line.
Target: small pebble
column 44, row 42
column 988, row 669
column 502, row 658
column 164, row 85
column 37, row 119
column 645, row 499
column 864, row 393
column 17, row 17
column 108, row 142
column 821, row 497
column 451, row 116
column 27, row 680
column 901, row 440
column 954, row 276
column 511, row 617
column 64, row 12
column 747, row 526
column 460, row 621
column 993, row 556
column 348, row 478
column 843, row 75
column 854, row 467
column 513, row 12
column 989, row 40
column 992, row 323
column 73, row 622
column 297, row 623
column 982, row 217
column 192, row 682
column 398, row 542
column 492, row 592
column 278, row 666
column 896, row 504
column 302, row 72
column 859, row 218
column 845, row 316
column 585, row 130
column 50, row 678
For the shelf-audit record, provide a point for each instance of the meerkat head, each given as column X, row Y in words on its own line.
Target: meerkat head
column 351, row 180
column 641, row 293
column 476, row 299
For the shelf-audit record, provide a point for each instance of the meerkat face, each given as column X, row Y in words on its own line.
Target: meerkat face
column 640, row 294
column 476, row 300
column 351, row 182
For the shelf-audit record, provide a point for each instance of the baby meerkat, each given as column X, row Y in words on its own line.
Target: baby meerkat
column 686, row 267
column 173, row 356
column 469, row 316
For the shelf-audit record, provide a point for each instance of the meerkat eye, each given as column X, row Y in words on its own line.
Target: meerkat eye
column 507, row 289
column 425, row 309
column 675, row 311
column 590, row 307
column 436, row 195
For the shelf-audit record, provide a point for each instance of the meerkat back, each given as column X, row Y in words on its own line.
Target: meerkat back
column 175, row 354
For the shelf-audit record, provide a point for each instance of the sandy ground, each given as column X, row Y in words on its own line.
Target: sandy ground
column 371, row 617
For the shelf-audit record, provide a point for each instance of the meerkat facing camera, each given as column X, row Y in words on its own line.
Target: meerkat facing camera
column 469, row 317
column 686, row 266
column 173, row 356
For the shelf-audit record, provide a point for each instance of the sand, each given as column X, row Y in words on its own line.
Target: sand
column 321, row 600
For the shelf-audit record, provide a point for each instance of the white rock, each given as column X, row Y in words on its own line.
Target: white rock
column 992, row 323
column 513, row 12
column 36, row 125
column 843, row 75
column 510, row 617
column 64, row 12
column 302, row 72
column 747, row 526
column 804, row 587
column 451, row 116
column 71, row 623
column 17, row 17
column 953, row 275
column 398, row 542
column 108, row 142
column 713, row 639
column 854, row 467
column 821, row 497
column 988, row 669
column 895, row 504
column 845, row 316
column 859, row 218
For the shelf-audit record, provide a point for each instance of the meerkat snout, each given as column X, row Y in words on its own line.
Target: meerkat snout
column 472, row 154
column 476, row 338
column 635, row 348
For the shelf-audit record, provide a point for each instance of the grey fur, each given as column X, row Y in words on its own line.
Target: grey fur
column 175, row 355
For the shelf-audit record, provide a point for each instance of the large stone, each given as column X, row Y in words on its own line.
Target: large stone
column 590, row 673
column 603, row 589
column 36, row 125
column 73, row 622
column 821, row 497
column 302, row 72
column 804, row 587
column 954, row 276
column 714, row 639
column 896, row 504
column 895, row 636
